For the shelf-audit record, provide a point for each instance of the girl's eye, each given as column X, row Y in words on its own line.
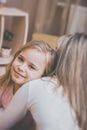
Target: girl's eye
column 32, row 67
column 20, row 59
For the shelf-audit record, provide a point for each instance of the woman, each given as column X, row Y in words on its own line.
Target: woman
column 72, row 74
column 32, row 61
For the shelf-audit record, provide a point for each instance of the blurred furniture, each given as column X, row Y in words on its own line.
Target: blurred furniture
column 2, row 69
column 50, row 39
column 19, row 27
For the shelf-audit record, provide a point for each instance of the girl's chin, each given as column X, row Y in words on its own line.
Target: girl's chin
column 18, row 81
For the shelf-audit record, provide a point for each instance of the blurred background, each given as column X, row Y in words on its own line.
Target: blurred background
column 52, row 17
column 55, row 17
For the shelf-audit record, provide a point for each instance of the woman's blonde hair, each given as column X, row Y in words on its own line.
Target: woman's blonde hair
column 71, row 72
column 41, row 46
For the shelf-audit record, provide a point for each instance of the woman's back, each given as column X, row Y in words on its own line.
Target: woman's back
column 50, row 109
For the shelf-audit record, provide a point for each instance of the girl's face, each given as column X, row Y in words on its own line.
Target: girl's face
column 29, row 64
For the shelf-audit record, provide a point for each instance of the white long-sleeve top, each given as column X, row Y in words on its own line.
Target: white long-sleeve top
column 49, row 108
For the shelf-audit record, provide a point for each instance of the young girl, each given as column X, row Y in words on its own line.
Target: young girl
column 32, row 61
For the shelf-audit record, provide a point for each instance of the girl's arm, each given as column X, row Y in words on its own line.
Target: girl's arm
column 15, row 110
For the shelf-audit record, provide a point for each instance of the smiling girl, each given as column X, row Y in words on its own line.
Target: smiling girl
column 32, row 61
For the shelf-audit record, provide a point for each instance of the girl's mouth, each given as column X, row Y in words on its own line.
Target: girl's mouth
column 19, row 74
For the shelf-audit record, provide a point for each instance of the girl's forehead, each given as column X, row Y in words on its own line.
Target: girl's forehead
column 33, row 56
column 33, row 49
column 32, row 52
column 28, row 49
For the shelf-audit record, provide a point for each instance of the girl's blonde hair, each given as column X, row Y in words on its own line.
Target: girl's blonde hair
column 41, row 46
column 71, row 72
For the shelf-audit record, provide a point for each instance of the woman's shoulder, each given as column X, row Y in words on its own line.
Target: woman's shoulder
column 43, row 81
column 37, row 86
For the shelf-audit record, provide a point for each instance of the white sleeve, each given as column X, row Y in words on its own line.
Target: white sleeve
column 15, row 110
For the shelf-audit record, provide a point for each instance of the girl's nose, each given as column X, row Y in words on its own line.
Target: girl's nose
column 23, row 67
